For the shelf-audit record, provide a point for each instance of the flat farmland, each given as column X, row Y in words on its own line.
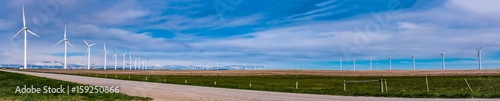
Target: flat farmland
column 285, row 72
column 408, row 84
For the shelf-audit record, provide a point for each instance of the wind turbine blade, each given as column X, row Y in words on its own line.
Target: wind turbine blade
column 24, row 18
column 86, row 42
column 32, row 32
column 64, row 31
column 70, row 44
column 92, row 44
column 59, row 41
column 101, row 53
column 17, row 34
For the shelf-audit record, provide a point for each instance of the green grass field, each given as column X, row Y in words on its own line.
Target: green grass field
column 9, row 82
column 411, row 87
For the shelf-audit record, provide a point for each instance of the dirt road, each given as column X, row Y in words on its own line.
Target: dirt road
column 171, row 92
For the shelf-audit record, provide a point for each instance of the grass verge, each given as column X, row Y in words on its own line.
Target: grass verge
column 407, row 86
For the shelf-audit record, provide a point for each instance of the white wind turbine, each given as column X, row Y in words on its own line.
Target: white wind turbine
column 135, row 63
column 124, row 56
column 479, row 56
column 413, row 58
column 390, row 60
column 145, row 64
column 26, row 30
column 115, row 56
column 370, row 63
column 88, row 52
column 340, row 63
column 442, row 57
column 130, row 60
column 66, row 43
column 105, row 56
column 141, row 64
column 354, row 63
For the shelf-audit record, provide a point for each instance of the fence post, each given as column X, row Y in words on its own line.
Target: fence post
column 250, row 85
column 129, row 77
column 185, row 81
column 146, row 78
column 381, row 85
column 215, row 82
column 468, row 85
column 344, row 85
column 296, row 85
column 427, row 84
column 385, row 83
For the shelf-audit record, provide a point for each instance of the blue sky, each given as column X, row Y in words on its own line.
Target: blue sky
column 312, row 34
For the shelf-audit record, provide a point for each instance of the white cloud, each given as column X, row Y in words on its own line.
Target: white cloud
column 485, row 7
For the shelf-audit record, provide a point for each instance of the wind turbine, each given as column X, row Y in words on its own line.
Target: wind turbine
column 442, row 57
column 370, row 63
column 135, row 63
column 105, row 52
column 139, row 63
column 88, row 52
column 390, row 60
column 354, row 63
column 124, row 56
column 115, row 56
column 66, row 42
column 413, row 58
column 479, row 56
column 145, row 64
column 340, row 63
column 26, row 30
column 130, row 60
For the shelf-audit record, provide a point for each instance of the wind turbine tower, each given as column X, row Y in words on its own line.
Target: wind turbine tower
column 135, row 63
column 105, row 56
column 340, row 63
column 66, row 42
column 115, row 56
column 390, row 60
column 479, row 56
column 26, row 31
column 124, row 56
column 413, row 58
column 371, row 63
column 442, row 57
column 354, row 63
column 88, row 52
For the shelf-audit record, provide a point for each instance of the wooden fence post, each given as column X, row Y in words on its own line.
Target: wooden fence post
column 385, row 83
column 427, row 84
column 296, row 85
column 382, row 85
column 344, row 85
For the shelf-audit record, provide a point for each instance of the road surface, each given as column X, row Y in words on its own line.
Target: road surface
column 172, row 92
